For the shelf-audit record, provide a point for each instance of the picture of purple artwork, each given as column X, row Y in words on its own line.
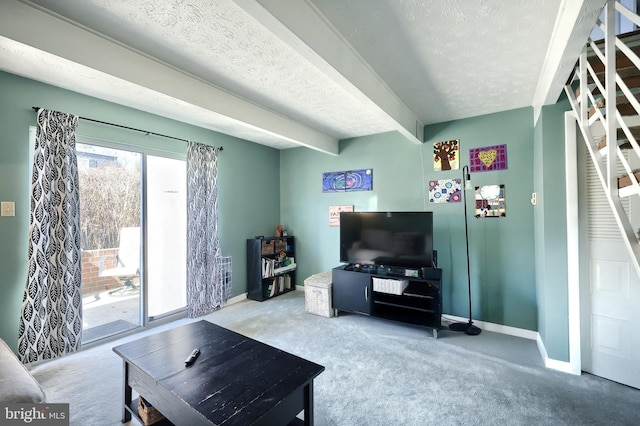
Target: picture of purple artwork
column 445, row 191
column 488, row 158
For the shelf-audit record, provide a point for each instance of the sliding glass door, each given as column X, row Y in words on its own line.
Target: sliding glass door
column 166, row 215
column 110, row 218
column 133, row 219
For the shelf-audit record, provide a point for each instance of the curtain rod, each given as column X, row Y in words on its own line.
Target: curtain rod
column 134, row 129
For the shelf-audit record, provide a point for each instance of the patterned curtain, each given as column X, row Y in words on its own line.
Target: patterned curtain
column 205, row 290
column 51, row 317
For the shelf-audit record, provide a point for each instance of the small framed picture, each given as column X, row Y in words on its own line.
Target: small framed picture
column 334, row 214
column 490, row 201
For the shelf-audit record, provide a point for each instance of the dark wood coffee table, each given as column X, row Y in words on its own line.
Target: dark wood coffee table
column 235, row 380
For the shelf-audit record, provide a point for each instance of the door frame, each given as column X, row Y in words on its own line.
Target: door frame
column 573, row 242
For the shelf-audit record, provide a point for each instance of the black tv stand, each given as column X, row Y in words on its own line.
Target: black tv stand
column 391, row 271
column 419, row 303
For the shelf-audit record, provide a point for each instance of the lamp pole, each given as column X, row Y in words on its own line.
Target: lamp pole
column 467, row 327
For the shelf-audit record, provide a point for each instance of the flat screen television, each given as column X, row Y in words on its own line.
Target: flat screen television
column 399, row 239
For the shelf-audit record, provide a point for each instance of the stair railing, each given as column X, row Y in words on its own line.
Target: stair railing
column 596, row 120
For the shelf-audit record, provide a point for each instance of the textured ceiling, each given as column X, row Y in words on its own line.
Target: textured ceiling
column 450, row 59
column 288, row 73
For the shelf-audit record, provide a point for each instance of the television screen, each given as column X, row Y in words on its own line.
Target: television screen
column 403, row 239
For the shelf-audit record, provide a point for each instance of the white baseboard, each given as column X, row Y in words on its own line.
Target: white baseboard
column 554, row 364
column 236, row 299
column 499, row 328
column 243, row 296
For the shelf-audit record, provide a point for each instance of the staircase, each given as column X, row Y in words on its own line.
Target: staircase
column 604, row 92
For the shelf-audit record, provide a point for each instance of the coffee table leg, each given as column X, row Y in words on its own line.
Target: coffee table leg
column 126, row 394
column 308, row 404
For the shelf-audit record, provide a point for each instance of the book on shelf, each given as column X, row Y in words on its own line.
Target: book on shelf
column 266, row 291
column 278, row 285
column 287, row 282
column 270, row 268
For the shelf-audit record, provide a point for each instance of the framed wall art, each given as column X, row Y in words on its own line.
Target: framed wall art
column 351, row 180
column 334, row 214
column 445, row 191
column 490, row 201
column 446, row 155
column 488, row 158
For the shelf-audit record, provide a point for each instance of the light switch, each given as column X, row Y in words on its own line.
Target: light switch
column 7, row 208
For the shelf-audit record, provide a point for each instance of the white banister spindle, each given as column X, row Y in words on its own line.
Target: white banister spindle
column 610, row 97
column 583, row 88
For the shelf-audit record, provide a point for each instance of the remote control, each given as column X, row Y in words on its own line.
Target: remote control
column 192, row 357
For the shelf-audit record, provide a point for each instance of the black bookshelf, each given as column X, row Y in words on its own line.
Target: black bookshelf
column 267, row 274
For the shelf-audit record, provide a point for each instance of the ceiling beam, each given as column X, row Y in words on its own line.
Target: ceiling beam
column 304, row 28
column 574, row 23
column 45, row 32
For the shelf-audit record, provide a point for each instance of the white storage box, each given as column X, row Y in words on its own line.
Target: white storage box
column 317, row 294
column 382, row 285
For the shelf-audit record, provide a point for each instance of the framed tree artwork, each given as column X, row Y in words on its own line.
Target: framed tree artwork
column 446, row 155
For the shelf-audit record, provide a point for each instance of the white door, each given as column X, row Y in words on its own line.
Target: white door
column 610, row 291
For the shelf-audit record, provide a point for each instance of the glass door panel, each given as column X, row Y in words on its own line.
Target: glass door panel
column 110, row 215
column 166, row 218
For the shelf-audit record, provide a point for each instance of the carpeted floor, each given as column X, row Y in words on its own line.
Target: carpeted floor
column 377, row 373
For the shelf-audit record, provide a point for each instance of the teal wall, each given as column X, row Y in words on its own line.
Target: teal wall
column 512, row 283
column 397, row 185
column 502, row 250
column 248, row 178
column 551, row 231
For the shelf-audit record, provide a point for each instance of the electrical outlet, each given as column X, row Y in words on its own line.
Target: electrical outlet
column 7, row 208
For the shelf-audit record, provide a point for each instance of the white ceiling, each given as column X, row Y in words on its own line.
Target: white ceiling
column 288, row 73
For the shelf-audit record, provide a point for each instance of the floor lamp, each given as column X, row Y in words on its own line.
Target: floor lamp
column 467, row 327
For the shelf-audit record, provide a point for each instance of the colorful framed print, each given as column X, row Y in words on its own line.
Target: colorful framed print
column 445, row 191
column 488, row 158
column 351, row 180
column 490, row 201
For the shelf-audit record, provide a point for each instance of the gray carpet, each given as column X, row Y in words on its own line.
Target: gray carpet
column 377, row 373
